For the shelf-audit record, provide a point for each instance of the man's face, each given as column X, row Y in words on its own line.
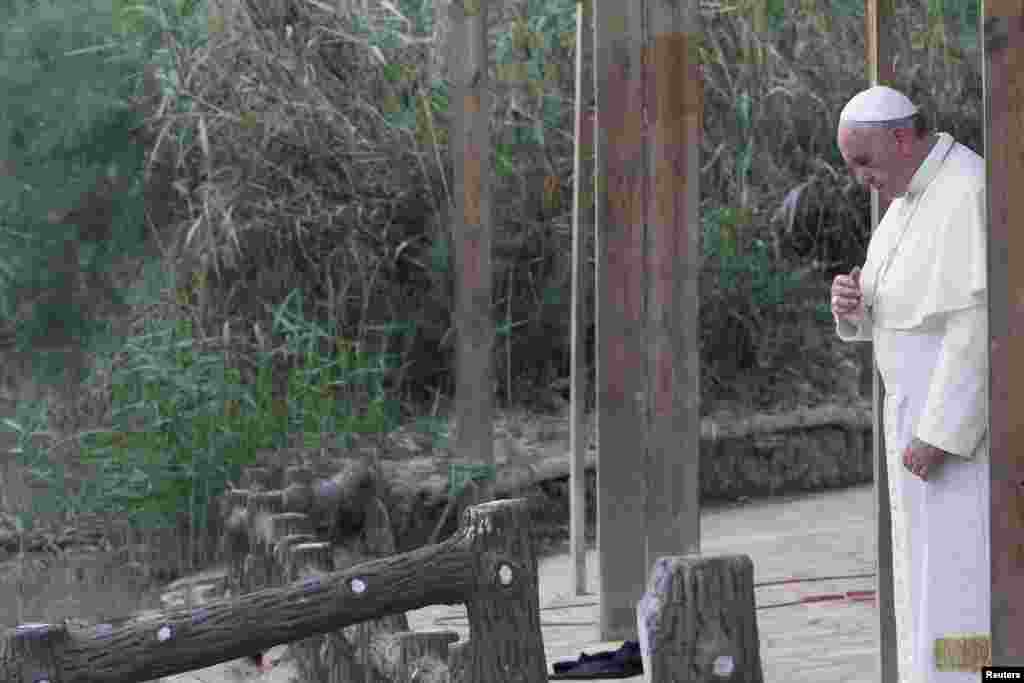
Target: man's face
column 875, row 157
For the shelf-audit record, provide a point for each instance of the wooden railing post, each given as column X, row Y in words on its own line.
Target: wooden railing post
column 697, row 621
column 236, row 538
column 459, row 657
column 257, row 569
column 504, row 606
column 326, row 656
column 280, row 528
column 29, row 653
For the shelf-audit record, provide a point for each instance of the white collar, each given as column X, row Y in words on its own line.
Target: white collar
column 929, row 168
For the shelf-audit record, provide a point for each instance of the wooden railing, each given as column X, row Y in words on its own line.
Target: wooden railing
column 489, row 565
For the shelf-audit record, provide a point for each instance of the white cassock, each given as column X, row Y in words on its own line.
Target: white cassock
column 924, row 283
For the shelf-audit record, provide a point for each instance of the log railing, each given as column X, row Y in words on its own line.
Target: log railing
column 489, row 565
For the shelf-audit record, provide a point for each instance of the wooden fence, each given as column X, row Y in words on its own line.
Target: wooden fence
column 340, row 604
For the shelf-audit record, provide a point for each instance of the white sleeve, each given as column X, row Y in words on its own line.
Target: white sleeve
column 850, row 332
column 955, row 416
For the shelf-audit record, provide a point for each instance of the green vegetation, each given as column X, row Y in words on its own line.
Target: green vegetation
column 184, row 423
column 307, row 184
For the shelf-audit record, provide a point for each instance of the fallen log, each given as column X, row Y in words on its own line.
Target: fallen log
column 854, row 415
column 552, row 462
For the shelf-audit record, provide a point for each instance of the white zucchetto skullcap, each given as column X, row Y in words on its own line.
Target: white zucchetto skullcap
column 877, row 105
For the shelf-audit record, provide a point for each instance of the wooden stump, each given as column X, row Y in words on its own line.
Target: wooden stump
column 235, row 546
column 280, row 527
column 297, row 474
column 283, row 550
column 375, row 541
column 504, row 610
column 338, row 502
column 342, row 500
column 298, row 491
column 28, row 653
column 262, row 506
column 257, row 569
column 459, row 657
column 257, row 479
column 327, row 657
column 697, row 621
column 410, row 657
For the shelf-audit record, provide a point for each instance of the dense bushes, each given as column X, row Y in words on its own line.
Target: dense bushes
column 308, row 152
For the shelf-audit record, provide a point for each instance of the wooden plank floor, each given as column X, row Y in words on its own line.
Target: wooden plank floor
column 827, row 534
column 819, row 535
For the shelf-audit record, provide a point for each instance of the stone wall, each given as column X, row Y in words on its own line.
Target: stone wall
column 784, row 462
column 731, row 469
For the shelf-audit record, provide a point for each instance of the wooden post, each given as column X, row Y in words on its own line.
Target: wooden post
column 257, row 478
column 582, row 227
column 325, row 656
column 459, row 657
column 34, row 647
column 1003, row 38
column 412, row 657
column 649, row 111
column 879, row 26
column 674, row 103
column 236, row 538
column 471, row 144
column 257, row 569
column 504, row 607
column 698, row 622
column 621, row 347
column 278, row 528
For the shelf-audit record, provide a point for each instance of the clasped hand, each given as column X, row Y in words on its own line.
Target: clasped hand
column 922, row 459
column 847, row 302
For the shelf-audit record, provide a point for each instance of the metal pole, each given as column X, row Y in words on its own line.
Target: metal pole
column 879, row 18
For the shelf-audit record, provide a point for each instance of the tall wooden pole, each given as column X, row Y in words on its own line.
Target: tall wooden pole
column 471, row 144
column 582, row 227
column 621, row 344
column 879, row 31
column 674, row 103
column 1003, row 36
column 649, row 106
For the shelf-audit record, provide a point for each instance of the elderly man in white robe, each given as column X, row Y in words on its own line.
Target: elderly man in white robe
column 921, row 298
